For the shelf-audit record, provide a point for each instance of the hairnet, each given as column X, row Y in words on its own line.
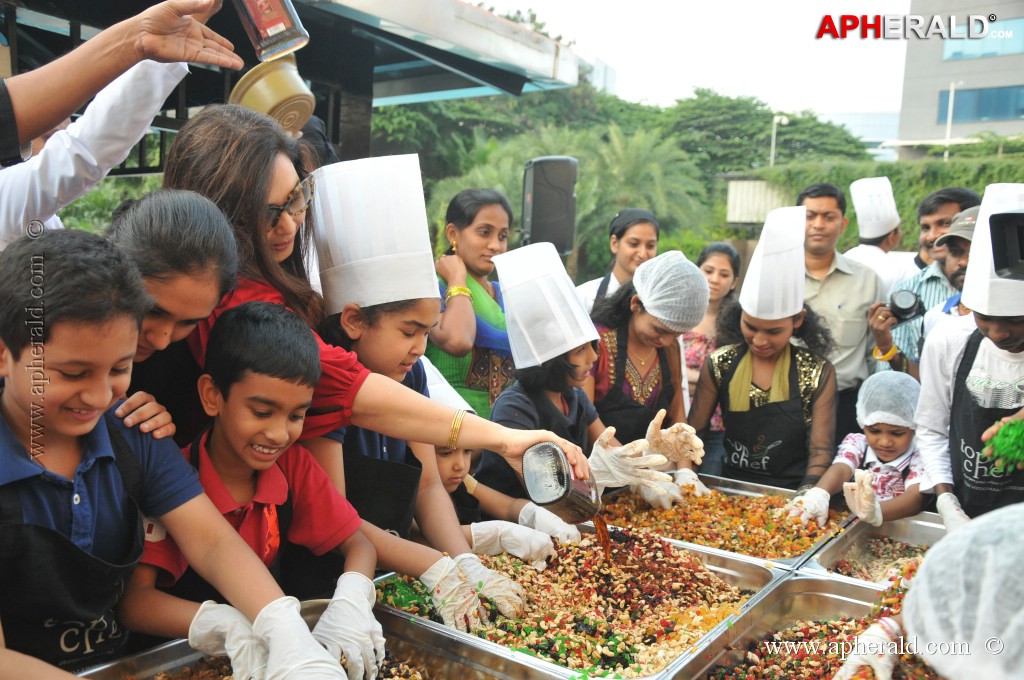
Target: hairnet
column 673, row 290
column 888, row 397
column 969, row 589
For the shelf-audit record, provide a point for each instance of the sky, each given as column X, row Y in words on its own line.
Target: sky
column 662, row 49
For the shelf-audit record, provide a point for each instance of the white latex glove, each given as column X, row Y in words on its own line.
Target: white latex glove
column 506, row 594
column 688, row 479
column 348, row 627
column 624, row 465
column 869, row 649
column 952, row 515
column 536, row 517
column 812, row 504
column 496, row 537
column 860, row 498
column 670, row 493
column 219, row 629
column 678, row 443
column 291, row 650
column 452, row 595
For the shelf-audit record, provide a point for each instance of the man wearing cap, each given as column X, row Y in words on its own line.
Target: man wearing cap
column 970, row 379
column 841, row 291
column 935, row 216
column 633, row 239
column 879, row 228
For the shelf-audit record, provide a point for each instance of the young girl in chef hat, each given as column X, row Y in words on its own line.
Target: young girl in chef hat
column 777, row 398
column 381, row 300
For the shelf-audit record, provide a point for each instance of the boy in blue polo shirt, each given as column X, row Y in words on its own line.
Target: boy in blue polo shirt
column 73, row 480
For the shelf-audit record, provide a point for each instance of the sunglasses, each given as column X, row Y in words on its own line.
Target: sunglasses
column 297, row 203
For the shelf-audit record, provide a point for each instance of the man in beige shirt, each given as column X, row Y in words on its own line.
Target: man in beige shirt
column 840, row 291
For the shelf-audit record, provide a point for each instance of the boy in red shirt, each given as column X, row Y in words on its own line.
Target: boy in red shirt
column 262, row 364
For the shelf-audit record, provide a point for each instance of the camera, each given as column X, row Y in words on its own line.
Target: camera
column 905, row 306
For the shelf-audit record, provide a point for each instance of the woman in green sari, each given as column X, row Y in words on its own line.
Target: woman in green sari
column 470, row 344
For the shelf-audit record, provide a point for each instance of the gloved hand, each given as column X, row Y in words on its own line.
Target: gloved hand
column 952, row 515
column 688, row 479
column 452, row 595
column 811, row 504
column 496, row 537
column 506, row 594
column 869, row 649
column 678, row 443
column 536, row 517
column 348, row 627
column 292, row 651
column 671, row 493
column 624, row 465
column 860, row 498
column 219, row 629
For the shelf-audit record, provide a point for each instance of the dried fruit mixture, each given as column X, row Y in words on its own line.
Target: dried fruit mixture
column 219, row 668
column 749, row 525
column 879, row 559
column 628, row 616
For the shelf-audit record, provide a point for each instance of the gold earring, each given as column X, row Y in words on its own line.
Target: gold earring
column 455, row 247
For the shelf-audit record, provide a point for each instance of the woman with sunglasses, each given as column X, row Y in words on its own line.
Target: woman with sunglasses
column 258, row 175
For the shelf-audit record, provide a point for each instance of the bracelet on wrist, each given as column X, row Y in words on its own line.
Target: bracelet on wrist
column 888, row 356
column 456, row 291
column 453, row 435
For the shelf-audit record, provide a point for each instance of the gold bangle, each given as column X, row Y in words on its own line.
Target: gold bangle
column 470, row 482
column 888, row 356
column 453, row 436
column 456, row 291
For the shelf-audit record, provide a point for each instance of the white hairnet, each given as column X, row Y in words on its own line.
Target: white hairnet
column 888, row 397
column 673, row 290
column 970, row 589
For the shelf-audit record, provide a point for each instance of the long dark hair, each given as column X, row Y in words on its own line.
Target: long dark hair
column 813, row 333
column 463, row 208
column 226, row 152
column 730, row 253
column 614, row 311
column 171, row 232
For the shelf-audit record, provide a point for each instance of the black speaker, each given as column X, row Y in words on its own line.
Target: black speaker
column 549, row 202
column 1008, row 243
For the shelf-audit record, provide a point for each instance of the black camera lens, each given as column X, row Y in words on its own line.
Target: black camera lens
column 905, row 305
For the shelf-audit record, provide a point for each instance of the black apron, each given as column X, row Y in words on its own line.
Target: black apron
column 171, row 375
column 57, row 601
column 767, row 444
column 978, row 487
column 619, row 410
column 383, row 492
column 602, row 290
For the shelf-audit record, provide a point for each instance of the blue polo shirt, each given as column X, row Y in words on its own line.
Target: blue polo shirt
column 93, row 509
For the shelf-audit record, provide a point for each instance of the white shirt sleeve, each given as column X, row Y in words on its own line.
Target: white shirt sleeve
column 587, row 292
column 943, row 350
column 76, row 159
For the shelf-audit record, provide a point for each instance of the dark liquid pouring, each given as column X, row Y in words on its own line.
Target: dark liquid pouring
column 601, row 528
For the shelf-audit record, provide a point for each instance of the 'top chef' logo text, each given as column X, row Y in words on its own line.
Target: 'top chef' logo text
column 899, row 26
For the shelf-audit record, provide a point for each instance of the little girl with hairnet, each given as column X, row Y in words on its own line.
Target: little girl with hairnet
column 883, row 461
column 962, row 612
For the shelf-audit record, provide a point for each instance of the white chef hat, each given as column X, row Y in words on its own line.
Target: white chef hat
column 543, row 314
column 876, row 208
column 371, row 232
column 673, row 290
column 984, row 292
column 968, row 590
column 888, row 397
column 440, row 390
column 774, row 285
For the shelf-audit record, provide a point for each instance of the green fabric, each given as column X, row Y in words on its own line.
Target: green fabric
column 484, row 305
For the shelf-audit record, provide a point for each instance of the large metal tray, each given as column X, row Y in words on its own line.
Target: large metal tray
column 501, row 662
column 733, row 487
column 798, row 597
column 923, row 529
column 435, row 663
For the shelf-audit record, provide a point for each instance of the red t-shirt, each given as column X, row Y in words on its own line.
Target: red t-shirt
column 342, row 375
column 321, row 517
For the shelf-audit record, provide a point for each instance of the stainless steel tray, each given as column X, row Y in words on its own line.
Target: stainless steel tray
column 501, row 662
column 733, row 487
column 923, row 529
column 435, row 663
column 798, row 597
